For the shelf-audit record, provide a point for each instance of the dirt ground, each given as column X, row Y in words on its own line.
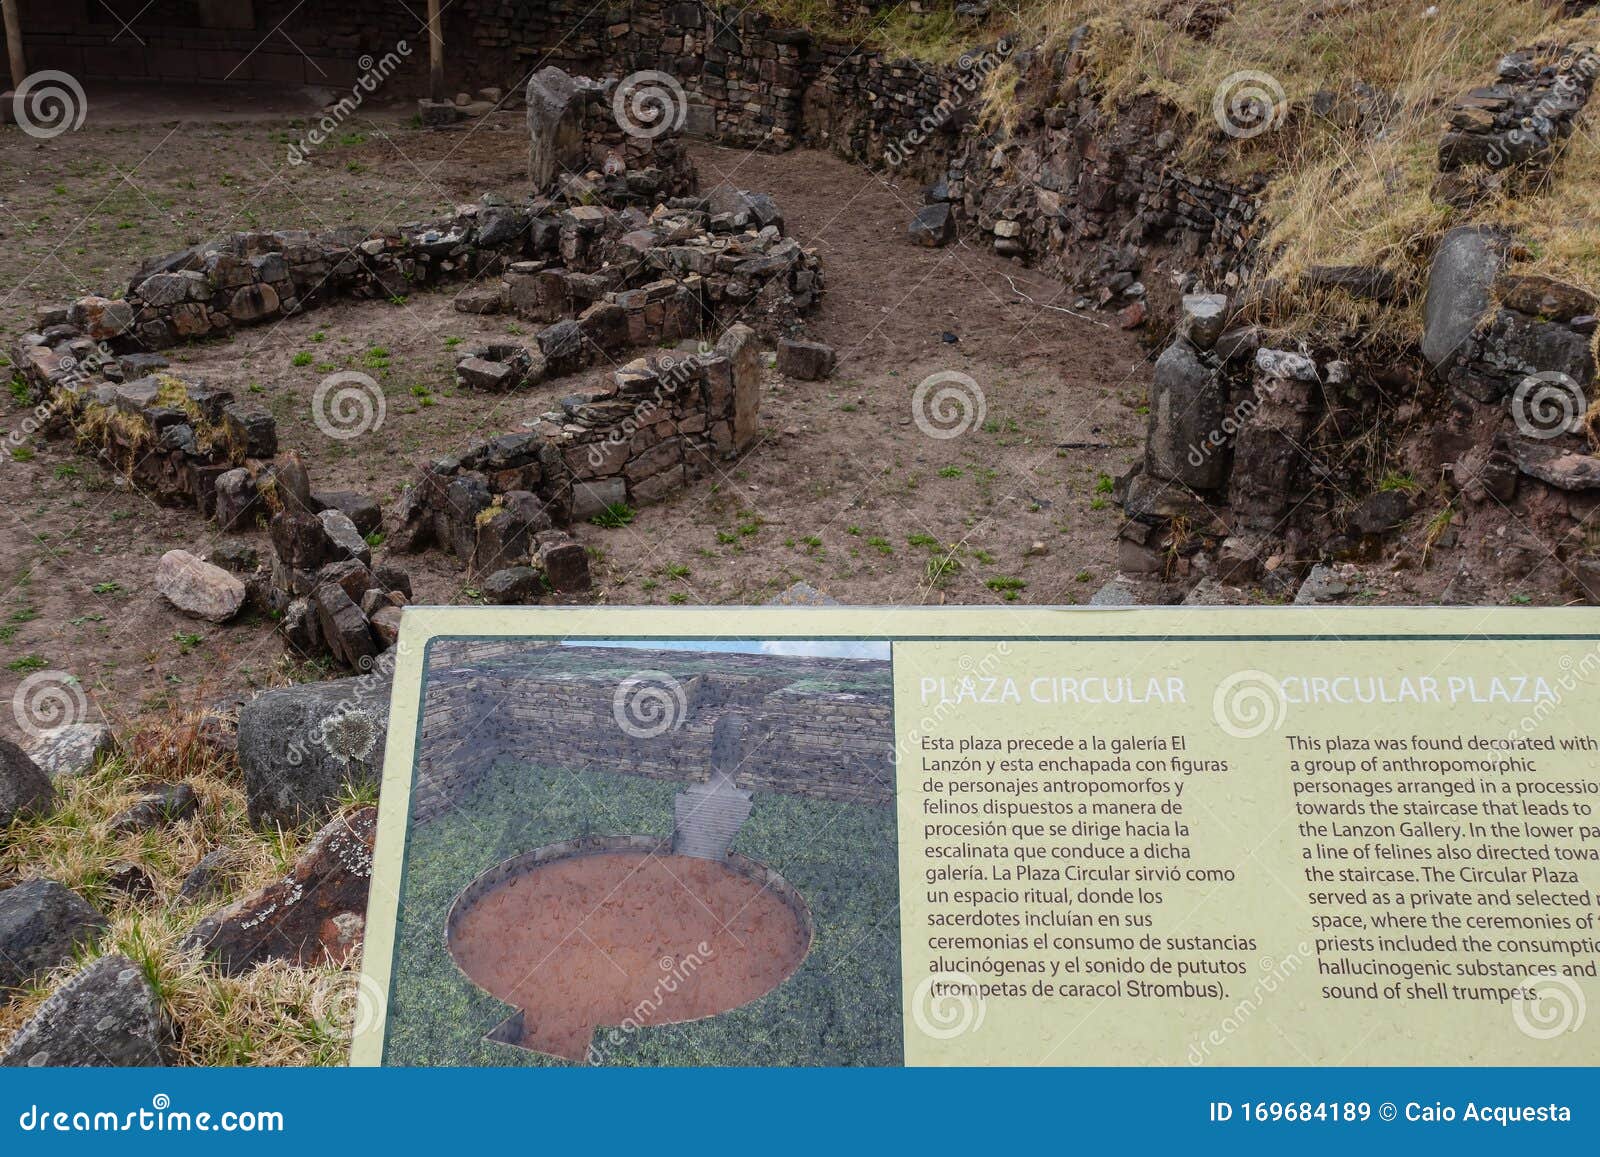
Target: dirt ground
column 843, row 488
column 587, row 941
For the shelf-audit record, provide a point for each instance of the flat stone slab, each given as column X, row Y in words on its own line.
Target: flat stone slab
column 315, row 915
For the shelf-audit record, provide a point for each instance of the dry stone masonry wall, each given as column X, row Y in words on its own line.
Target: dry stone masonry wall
column 1257, row 462
column 817, row 728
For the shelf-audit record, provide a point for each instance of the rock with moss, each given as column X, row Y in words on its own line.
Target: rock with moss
column 302, row 749
column 109, row 1014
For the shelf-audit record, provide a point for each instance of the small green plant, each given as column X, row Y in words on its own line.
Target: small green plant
column 319, row 336
column 187, row 641
column 27, row 663
column 677, row 598
column 1006, row 587
column 920, row 539
column 939, row 570
column 22, row 454
column 110, row 587
column 375, row 538
column 1104, row 484
column 614, row 516
column 880, row 544
column 303, row 358
column 676, row 570
column 1397, row 481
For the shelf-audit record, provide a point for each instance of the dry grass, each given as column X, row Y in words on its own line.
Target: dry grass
column 1339, row 191
column 274, row 1015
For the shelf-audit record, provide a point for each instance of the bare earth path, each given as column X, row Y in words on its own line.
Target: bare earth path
column 844, row 489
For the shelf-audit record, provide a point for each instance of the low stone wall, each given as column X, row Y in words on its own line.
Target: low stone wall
column 814, row 742
column 662, row 421
column 173, row 439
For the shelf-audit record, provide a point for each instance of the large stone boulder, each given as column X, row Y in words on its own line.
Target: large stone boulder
column 556, row 107
column 197, row 588
column 300, row 747
column 25, row 789
column 1186, row 421
column 107, row 1015
column 41, row 924
column 316, row 915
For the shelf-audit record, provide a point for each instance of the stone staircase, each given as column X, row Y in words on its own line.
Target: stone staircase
column 707, row 817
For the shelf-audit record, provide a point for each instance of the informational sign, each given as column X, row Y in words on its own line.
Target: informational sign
column 1152, row 836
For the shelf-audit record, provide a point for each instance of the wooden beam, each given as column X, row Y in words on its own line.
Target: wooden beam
column 19, row 65
column 435, row 51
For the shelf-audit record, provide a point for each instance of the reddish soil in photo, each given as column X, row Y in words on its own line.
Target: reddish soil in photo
column 594, row 940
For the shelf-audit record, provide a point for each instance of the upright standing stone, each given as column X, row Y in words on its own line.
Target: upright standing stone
column 1186, row 412
column 556, row 105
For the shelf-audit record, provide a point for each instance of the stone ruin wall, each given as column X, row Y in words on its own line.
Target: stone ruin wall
column 1279, row 487
column 824, row 745
column 1070, row 192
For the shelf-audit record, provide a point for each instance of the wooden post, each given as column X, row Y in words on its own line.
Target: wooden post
column 19, row 66
column 435, row 52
